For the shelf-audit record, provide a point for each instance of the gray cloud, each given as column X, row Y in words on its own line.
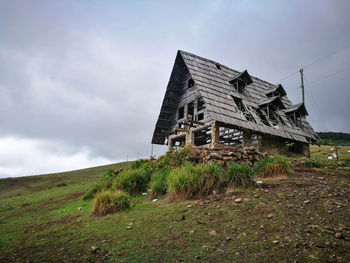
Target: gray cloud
column 87, row 78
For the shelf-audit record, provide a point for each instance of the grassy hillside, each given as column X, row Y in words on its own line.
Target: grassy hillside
column 337, row 138
column 299, row 219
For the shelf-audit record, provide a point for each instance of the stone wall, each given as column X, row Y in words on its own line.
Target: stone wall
column 223, row 155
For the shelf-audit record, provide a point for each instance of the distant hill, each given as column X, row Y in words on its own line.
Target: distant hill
column 338, row 138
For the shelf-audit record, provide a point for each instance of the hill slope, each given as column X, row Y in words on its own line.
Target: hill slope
column 302, row 219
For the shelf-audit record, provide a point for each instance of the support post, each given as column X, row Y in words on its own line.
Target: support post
column 215, row 133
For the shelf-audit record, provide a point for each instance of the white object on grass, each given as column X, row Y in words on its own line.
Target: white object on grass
column 259, row 182
column 144, row 193
column 330, row 157
column 155, row 200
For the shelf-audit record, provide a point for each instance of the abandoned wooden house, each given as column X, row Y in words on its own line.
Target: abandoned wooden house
column 207, row 103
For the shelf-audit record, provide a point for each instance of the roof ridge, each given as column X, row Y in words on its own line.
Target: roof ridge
column 215, row 62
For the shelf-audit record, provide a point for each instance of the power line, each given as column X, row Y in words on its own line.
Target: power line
column 330, row 75
column 316, row 61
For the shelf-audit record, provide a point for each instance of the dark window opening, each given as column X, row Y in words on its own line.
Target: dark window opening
column 190, row 83
column 239, row 104
column 202, row 136
column 200, row 104
column 200, row 116
column 294, row 147
column 218, row 66
column 262, row 116
column 181, row 112
column 178, row 141
column 190, row 110
column 239, row 85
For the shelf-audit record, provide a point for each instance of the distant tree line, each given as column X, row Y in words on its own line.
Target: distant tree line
column 334, row 138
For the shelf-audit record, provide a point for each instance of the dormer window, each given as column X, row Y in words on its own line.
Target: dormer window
column 296, row 113
column 190, row 83
column 241, row 81
column 277, row 91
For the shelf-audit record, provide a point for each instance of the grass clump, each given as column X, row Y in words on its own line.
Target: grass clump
column 61, row 185
column 270, row 167
column 135, row 179
column 159, row 183
column 191, row 181
column 240, row 175
column 92, row 191
column 109, row 202
column 312, row 163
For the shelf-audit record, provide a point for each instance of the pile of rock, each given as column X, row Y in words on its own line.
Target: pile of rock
column 223, row 155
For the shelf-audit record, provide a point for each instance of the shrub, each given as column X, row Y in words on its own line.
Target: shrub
column 240, row 175
column 92, row 191
column 191, row 181
column 159, row 183
column 312, row 163
column 61, row 185
column 173, row 158
column 269, row 167
column 134, row 181
column 107, row 179
column 109, row 202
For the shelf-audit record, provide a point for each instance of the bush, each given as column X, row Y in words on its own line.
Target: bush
column 240, row 175
column 61, row 185
column 191, row 181
column 312, row 163
column 159, row 183
column 269, row 167
column 107, row 179
column 92, row 191
column 109, row 202
column 173, row 158
column 134, row 180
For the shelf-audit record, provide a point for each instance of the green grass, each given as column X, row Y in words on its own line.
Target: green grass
column 109, row 202
column 40, row 222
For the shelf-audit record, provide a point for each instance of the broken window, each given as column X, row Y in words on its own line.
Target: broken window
column 202, row 137
column 181, row 112
column 218, row 66
column 200, row 104
column 239, row 85
column 239, row 103
column 262, row 116
column 190, row 83
column 228, row 136
column 200, row 116
column 190, row 110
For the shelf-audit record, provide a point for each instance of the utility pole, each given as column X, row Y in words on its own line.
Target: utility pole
column 302, row 84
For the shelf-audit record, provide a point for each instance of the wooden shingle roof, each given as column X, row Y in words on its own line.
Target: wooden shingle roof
column 214, row 86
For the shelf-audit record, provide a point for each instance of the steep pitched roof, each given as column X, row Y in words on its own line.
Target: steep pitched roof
column 216, row 90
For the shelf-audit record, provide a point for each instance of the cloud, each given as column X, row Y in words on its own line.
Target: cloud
column 20, row 156
column 91, row 76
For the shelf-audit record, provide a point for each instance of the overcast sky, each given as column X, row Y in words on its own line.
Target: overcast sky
column 82, row 82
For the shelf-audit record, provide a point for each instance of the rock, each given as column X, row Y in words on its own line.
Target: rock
column 339, row 235
column 189, row 206
column 213, row 233
column 215, row 155
column 191, row 232
column 270, row 216
column 306, row 201
column 128, row 227
column 238, row 200
column 275, row 242
column 94, row 249
column 228, row 238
